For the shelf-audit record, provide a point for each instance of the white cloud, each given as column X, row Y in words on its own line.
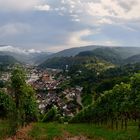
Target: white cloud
column 13, row 29
column 33, row 51
column 104, row 21
column 20, row 5
column 12, row 49
column 75, row 39
column 106, row 9
column 106, row 15
column 110, row 43
column 76, row 19
column 45, row 7
column 24, row 5
column 18, row 50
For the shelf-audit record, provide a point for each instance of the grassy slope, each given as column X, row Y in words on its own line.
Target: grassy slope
column 4, row 129
column 50, row 130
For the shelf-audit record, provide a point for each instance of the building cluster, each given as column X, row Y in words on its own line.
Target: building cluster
column 49, row 92
column 67, row 101
column 5, row 76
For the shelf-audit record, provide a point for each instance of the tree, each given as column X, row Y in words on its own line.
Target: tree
column 50, row 115
column 112, row 106
column 24, row 97
column 30, row 112
column 135, row 97
column 6, row 105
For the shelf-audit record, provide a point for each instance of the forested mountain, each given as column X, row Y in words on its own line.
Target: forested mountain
column 73, row 51
column 133, row 59
column 7, row 60
column 124, row 52
column 62, row 62
column 116, row 55
column 107, row 54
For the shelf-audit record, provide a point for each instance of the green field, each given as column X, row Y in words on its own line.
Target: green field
column 43, row 131
column 50, row 130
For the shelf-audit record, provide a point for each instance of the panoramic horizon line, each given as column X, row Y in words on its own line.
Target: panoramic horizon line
column 36, row 50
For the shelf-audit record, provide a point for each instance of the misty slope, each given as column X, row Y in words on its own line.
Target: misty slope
column 123, row 51
column 107, row 54
column 7, row 60
column 103, row 52
column 133, row 59
column 30, row 56
column 116, row 55
column 27, row 58
column 126, row 52
column 40, row 57
column 73, row 51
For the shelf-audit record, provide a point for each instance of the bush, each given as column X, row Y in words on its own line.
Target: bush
column 50, row 115
column 6, row 105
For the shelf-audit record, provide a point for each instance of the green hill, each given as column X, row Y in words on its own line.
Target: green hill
column 73, row 51
column 107, row 54
column 88, row 62
column 133, row 59
column 116, row 55
column 7, row 60
column 124, row 52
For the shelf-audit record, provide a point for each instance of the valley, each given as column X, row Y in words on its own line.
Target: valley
column 92, row 94
column 69, row 70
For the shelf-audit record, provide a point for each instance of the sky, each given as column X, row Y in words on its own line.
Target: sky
column 54, row 25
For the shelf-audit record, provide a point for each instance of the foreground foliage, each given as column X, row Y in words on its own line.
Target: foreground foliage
column 24, row 98
column 4, row 128
column 115, row 106
column 18, row 105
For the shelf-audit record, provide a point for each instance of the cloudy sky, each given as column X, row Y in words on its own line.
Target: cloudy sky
column 53, row 25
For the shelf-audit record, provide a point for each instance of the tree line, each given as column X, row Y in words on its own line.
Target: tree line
column 115, row 107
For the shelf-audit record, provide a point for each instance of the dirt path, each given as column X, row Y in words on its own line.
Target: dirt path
column 68, row 136
column 22, row 134
column 78, row 138
column 72, row 138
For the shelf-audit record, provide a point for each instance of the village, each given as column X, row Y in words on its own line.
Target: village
column 47, row 86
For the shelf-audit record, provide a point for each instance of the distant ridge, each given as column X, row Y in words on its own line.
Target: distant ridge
column 76, row 50
column 30, row 56
column 115, row 55
column 133, row 59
